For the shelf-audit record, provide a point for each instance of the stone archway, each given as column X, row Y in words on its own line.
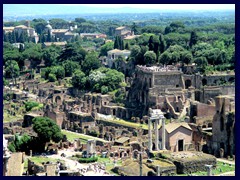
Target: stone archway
column 231, row 80
column 188, row 83
column 150, row 173
column 116, row 154
column 58, row 100
column 204, row 82
column 114, row 112
column 111, row 154
column 123, row 154
column 135, row 154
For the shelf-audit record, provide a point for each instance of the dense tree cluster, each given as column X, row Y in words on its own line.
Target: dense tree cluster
column 102, row 80
column 47, row 130
column 208, row 42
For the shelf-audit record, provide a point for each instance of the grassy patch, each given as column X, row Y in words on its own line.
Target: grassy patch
column 71, row 137
column 39, row 160
column 9, row 118
column 84, row 138
column 216, row 171
column 126, row 123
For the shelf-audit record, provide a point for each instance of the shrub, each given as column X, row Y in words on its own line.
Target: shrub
column 87, row 160
column 52, row 77
column 104, row 89
column 12, row 147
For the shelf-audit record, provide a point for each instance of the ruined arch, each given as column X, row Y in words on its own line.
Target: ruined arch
column 123, row 154
column 58, row 100
column 209, row 124
column 116, row 154
column 111, row 154
column 150, row 173
column 135, row 154
column 188, row 83
column 204, row 82
column 114, row 112
column 231, row 80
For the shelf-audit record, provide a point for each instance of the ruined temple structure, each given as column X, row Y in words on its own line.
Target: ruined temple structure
column 178, row 137
column 223, row 130
column 169, row 89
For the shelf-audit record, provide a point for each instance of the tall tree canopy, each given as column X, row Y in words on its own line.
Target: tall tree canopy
column 46, row 130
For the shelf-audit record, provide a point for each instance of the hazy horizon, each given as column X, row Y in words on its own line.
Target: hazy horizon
column 51, row 9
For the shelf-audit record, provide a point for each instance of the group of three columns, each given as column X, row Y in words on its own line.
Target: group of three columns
column 157, row 142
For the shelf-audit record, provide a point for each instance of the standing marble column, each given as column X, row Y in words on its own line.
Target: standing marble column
column 163, row 134
column 156, row 135
column 150, row 135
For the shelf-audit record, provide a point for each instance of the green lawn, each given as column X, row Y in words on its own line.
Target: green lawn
column 9, row 118
column 109, row 164
column 84, row 138
column 126, row 123
column 225, row 168
column 39, row 160
column 216, row 171
column 71, row 137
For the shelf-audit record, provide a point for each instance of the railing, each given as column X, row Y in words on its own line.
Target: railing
column 158, row 69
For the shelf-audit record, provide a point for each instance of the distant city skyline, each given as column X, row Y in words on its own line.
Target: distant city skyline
column 45, row 9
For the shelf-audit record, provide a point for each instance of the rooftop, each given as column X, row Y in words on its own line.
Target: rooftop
column 59, row 30
column 131, row 37
column 55, row 43
column 121, row 27
column 119, row 51
column 22, row 26
column 8, row 28
column 158, row 68
column 173, row 126
column 122, row 140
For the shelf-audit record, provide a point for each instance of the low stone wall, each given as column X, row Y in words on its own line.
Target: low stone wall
column 16, row 164
column 189, row 162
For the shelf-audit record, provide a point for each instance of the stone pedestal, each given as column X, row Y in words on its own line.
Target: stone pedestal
column 209, row 170
column 158, row 171
column 163, row 134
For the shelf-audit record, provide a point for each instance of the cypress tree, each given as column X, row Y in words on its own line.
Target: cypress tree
column 127, row 46
column 21, row 48
column 150, row 44
column 193, row 39
column 13, row 37
column 117, row 43
column 162, row 44
column 43, row 38
column 9, row 35
column 5, row 37
column 122, row 44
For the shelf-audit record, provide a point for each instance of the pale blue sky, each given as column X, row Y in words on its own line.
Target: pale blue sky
column 162, row 6
column 46, row 9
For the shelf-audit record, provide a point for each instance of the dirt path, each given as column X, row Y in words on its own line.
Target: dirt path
column 226, row 161
column 74, row 165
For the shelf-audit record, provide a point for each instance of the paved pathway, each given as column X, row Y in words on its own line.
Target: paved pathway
column 231, row 173
column 226, row 161
column 73, row 165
